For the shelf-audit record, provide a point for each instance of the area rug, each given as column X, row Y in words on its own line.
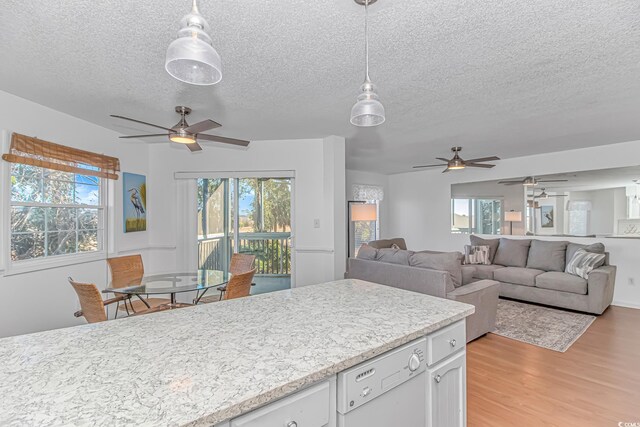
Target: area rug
column 545, row 327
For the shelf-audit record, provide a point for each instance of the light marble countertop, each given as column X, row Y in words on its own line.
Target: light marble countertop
column 201, row 365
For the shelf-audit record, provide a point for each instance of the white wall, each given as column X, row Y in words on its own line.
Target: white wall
column 44, row 299
column 419, row 204
column 319, row 194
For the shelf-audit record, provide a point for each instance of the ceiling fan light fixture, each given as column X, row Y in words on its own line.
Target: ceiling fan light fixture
column 529, row 182
column 191, row 57
column 368, row 111
column 182, row 139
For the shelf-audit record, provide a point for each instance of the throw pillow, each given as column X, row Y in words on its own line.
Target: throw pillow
column 492, row 243
column 367, row 252
column 596, row 248
column 476, row 254
column 512, row 252
column 444, row 261
column 583, row 262
column 547, row 255
column 394, row 246
column 394, row 256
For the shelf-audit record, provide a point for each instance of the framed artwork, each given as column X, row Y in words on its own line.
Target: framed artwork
column 547, row 217
column 134, row 202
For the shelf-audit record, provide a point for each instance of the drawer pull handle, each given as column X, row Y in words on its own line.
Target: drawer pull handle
column 437, row 378
column 292, row 424
column 452, row 342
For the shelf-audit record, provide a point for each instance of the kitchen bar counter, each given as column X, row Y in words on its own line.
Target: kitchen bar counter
column 201, row 365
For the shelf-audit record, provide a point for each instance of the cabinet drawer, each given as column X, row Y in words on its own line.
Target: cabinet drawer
column 307, row 408
column 446, row 341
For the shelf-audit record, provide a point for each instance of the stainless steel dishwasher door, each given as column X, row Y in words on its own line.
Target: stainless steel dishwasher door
column 388, row 391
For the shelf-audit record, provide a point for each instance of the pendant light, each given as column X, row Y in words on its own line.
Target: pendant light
column 368, row 110
column 191, row 57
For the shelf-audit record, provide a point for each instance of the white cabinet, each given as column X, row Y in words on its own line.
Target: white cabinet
column 447, row 392
column 311, row 407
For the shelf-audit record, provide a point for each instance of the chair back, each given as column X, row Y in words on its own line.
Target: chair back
column 241, row 263
column 90, row 301
column 240, row 285
column 126, row 270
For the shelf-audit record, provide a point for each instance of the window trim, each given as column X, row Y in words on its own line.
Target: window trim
column 54, row 261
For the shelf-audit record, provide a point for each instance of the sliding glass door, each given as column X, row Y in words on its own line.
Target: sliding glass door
column 247, row 215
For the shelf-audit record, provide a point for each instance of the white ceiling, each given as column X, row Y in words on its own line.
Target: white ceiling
column 509, row 78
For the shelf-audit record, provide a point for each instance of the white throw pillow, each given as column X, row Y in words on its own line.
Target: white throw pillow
column 583, row 263
column 476, row 254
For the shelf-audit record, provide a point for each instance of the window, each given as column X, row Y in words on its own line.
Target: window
column 482, row 216
column 54, row 213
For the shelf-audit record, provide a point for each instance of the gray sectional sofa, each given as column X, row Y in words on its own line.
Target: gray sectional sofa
column 534, row 270
column 433, row 273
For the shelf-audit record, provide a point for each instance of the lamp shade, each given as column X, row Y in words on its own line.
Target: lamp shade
column 364, row 212
column 513, row 216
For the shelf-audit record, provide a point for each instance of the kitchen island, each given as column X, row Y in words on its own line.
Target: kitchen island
column 207, row 364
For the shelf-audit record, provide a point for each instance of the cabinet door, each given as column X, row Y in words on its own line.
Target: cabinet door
column 447, row 393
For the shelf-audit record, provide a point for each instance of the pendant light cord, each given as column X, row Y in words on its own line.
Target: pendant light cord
column 366, row 41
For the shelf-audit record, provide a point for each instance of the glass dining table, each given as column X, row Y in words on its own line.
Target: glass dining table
column 199, row 281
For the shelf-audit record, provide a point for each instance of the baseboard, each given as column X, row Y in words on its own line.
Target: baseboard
column 626, row 304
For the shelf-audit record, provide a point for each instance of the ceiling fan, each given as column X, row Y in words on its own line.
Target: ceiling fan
column 186, row 134
column 530, row 181
column 457, row 163
column 545, row 195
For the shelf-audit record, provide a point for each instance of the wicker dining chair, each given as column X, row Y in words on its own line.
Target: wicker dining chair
column 128, row 271
column 241, row 263
column 91, row 303
column 238, row 286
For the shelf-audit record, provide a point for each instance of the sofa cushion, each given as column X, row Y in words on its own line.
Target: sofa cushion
column 512, row 252
column 445, row 261
column 483, row 272
column 547, row 255
column 387, row 243
column 394, row 256
column 367, row 252
column 517, row 275
column 584, row 262
column 596, row 248
column 563, row 282
column 492, row 243
column 468, row 272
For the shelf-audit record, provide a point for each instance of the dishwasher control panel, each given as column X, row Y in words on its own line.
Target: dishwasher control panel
column 365, row 382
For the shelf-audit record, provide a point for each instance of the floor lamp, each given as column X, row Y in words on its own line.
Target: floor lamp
column 511, row 217
column 359, row 211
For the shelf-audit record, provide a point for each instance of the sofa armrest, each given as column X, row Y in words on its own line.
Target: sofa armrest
column 600, row 286
column 468, row 272
column 483, row 295
column 423, row 280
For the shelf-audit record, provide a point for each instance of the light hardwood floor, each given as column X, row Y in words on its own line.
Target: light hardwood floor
column 594, row 383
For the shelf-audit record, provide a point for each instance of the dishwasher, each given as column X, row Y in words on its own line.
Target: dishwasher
column 387, row 391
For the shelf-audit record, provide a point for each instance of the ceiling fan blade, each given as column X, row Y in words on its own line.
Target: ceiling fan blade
column 509, row 182
column 446, row 170
column 144, row 136
column 203, row 126
column 442, row 160
column 224, row 140
column 140, row 121
column 194, row 146
column 428, row 166
column 483, row 159
column 553, row 180
column 479, row 165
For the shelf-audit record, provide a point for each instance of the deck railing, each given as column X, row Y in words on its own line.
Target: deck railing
column 272, row 251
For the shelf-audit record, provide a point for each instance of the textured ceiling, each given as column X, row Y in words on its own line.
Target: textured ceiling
column 509, row 78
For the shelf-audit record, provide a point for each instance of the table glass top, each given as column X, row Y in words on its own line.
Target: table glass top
column 170, row 283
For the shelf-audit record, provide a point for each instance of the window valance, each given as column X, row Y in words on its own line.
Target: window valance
column 363, row 192
column 36, row 152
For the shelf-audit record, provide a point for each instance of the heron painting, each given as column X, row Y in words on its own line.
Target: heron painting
column 134, row 202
